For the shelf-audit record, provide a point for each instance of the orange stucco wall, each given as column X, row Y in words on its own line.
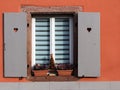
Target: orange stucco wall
column 110, row 32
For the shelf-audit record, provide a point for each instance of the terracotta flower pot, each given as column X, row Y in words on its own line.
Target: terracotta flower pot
column 64, row 72
column 40, row 72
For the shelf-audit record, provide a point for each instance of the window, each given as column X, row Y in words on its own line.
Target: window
column 52, row 35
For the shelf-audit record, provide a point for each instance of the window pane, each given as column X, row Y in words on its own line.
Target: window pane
column 62, row 40
column 42, row 40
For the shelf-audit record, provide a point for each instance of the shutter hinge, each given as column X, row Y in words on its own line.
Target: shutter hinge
column 27, row 24
column 28, row 66
column 20, row 78
column 76, row 24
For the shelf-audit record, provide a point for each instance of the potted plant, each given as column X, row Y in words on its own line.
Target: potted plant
column 64, row 69
column 40, row 70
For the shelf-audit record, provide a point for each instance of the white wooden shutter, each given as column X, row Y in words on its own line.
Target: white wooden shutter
column 15, row 58
column 88, row 44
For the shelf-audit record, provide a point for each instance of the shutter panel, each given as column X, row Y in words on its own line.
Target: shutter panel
column 15, row 58
column 88, row 44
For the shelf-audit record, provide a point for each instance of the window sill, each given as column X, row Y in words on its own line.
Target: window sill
column 41, row 75
column 53, row 78
column 60, row 72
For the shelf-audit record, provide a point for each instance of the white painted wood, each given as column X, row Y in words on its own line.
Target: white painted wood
column 52, row 36
column 88, row 44
column 15, row 53
column 33, row 42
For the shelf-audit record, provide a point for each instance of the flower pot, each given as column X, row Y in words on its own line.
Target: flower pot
column 40, row 72
column 64, row 72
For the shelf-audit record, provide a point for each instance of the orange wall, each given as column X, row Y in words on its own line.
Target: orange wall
column 110, row 32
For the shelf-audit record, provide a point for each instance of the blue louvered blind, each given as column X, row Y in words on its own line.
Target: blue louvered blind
column 62, row 40
column 42, row 40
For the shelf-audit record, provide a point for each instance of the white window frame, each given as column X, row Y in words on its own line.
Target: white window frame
column 33, row 42
column 52, row 38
